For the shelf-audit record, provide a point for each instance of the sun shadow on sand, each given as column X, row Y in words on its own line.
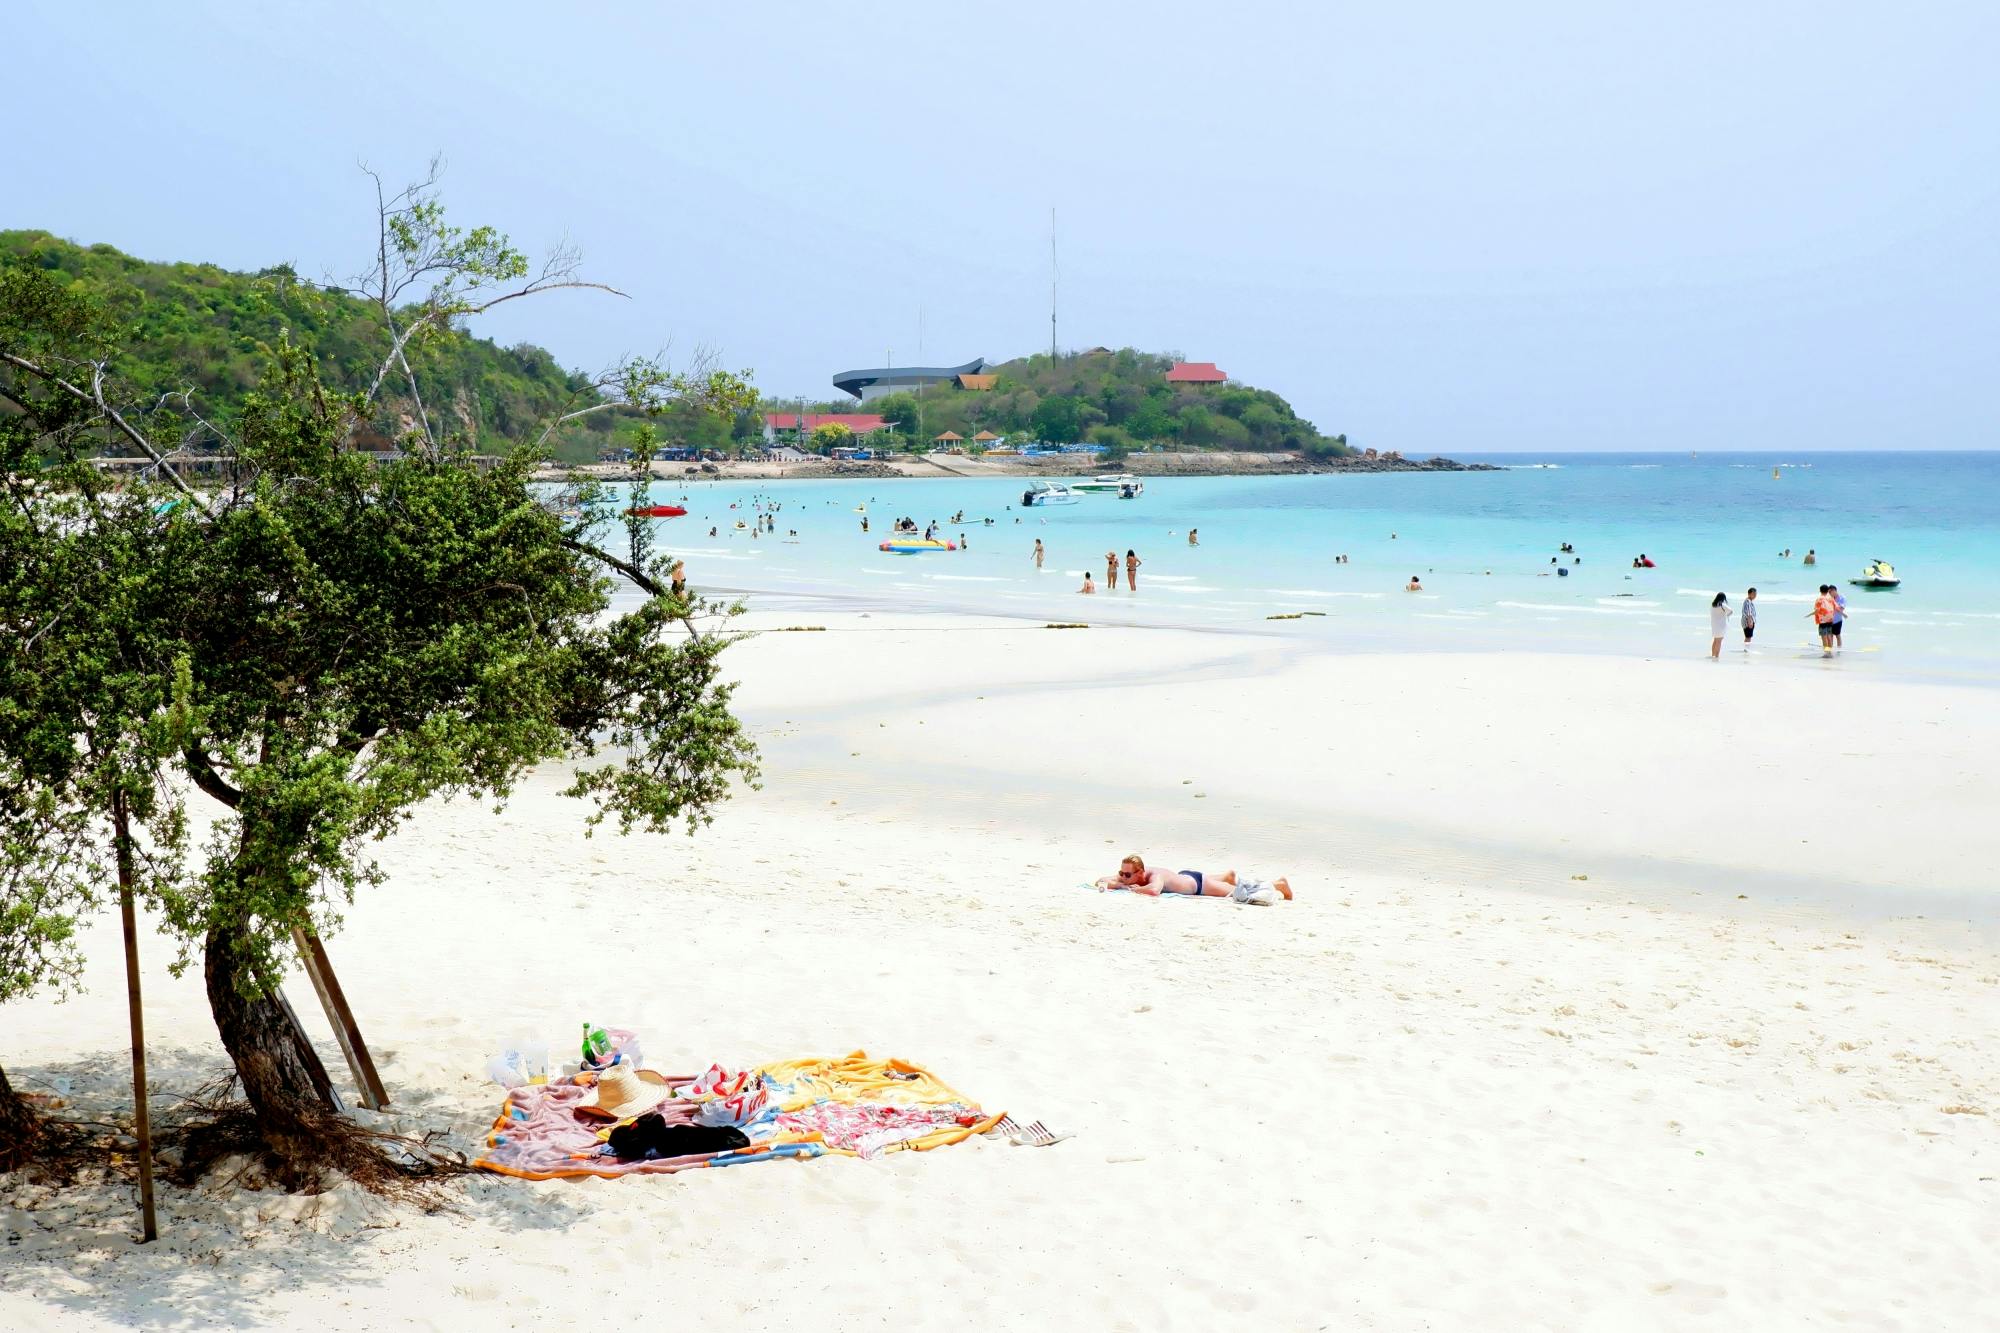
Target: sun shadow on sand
column 224, row 1249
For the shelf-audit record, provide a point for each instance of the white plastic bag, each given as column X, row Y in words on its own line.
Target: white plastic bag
column 523, row 1061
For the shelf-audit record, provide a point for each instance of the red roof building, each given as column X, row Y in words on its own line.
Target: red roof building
column 861, row 423
column 1195, row 372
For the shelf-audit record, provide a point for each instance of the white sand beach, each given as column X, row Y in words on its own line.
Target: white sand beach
column 1617, row 994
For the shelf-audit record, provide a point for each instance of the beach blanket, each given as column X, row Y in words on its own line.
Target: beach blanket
column 847, row 1106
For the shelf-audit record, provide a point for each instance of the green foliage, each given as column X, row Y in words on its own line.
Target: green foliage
column 80, row 692
column 198, row 327
column 831, row 435
column 1079, row 396
column 320, row 647
column 1117, row 442
column 901, row 411
column 1055, row 419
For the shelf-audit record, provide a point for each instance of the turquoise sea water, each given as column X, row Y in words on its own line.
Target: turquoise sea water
column 1481, row 543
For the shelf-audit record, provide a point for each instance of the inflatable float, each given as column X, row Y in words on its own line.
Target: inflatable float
column 915, row 546
column 657, row 511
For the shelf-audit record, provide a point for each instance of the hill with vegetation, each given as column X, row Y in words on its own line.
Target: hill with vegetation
column 203, row 328
column 1120, row 399
column 199, row 327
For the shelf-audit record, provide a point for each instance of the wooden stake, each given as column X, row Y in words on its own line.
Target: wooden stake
column 319, row 970
column 142, row 1117
column 316, row 1069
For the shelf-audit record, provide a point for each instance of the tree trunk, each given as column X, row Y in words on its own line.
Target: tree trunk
column 20, row 1125
column 282, row 1076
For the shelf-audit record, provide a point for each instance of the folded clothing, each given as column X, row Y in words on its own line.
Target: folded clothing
column 650, row 1137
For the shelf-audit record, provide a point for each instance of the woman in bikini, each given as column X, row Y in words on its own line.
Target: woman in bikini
column 1133, row 875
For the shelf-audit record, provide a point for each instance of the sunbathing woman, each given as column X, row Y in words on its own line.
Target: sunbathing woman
column 1133, row 875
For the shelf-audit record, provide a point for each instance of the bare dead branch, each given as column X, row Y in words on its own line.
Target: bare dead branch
column 95, row 396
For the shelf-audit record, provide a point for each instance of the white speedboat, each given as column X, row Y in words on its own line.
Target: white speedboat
column 1047, row 493
column 1112, row 483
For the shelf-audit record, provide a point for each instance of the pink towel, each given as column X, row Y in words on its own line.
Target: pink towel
column 540, row 1134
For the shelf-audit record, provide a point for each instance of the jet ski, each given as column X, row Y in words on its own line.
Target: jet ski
column 1877, row 574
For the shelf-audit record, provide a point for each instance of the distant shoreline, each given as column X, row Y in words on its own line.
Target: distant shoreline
column 917, row 466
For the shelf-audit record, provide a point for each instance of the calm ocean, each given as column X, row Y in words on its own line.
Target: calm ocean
column 1481, row 543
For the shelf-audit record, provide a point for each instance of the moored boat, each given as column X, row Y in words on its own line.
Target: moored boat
column 1114, row 483
column 1047, row 493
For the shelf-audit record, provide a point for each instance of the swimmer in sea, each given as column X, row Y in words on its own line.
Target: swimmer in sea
column 1191, row 538
column 1413, row 585
column 1088, row 586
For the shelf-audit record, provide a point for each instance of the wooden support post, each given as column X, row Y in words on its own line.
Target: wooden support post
column 319, row 970
column 142, row 1113
column 306, row 1052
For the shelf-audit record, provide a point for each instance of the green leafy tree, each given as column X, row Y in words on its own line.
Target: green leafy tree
column 900, row 410
column 1118, row 443
column 1056, row 419
column 1153, row 421
column 200, row 330
column 318, row 648
column 831, row 435
column 1264, row 425
column 1197, row 425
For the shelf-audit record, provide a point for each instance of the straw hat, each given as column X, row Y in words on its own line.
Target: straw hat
column 623, row 1091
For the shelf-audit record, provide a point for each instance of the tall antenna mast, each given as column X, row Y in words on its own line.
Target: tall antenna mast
column 1053, row 274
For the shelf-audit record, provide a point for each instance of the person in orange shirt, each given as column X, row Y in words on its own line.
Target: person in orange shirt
column 1823, row 614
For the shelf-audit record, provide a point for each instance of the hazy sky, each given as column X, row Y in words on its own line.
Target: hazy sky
column 1436, row 227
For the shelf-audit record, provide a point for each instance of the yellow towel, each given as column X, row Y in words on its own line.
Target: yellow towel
column 856, row 1078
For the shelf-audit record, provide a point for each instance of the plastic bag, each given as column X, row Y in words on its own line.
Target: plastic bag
column 523, row 1061
column 604, row 1047
column 738, row 1109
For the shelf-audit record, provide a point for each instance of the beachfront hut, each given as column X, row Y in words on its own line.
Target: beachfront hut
column 947, row 440
column 986, row 439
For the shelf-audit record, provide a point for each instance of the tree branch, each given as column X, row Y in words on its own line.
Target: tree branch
column 95, row 395
column 645, row 581
column 202, row 770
